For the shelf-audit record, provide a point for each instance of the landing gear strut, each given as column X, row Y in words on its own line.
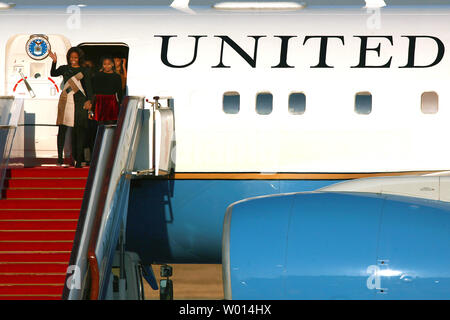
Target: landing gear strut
column 166, row 285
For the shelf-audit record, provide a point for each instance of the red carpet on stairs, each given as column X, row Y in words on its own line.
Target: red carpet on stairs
column 39, row 213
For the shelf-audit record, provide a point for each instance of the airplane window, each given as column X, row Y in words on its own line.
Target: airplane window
column 297, row 103
column 231, row 102
column 430, row 102
column 264, row 103
column 363, row 103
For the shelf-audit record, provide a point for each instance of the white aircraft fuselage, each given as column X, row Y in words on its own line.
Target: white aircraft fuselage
column 328, row 54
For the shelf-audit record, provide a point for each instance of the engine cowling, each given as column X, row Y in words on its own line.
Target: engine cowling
column 329, row 245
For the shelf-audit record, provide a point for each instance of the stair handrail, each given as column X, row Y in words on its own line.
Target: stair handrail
column 14, row 114
column 118, row 165
column 77, row 270
column 105, row 165
column 92, row 256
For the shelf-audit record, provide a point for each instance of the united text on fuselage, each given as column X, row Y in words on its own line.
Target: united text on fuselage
column 322, row 43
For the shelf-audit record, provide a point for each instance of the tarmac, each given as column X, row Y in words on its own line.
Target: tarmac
column 191, row 282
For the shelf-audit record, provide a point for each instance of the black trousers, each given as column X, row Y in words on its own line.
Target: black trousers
column 90, row 136
column 78, row 140
column 62, row 130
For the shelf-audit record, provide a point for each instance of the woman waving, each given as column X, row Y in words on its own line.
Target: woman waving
column 74, row 102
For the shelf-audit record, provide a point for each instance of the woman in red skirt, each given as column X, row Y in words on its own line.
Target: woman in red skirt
column 108, row 92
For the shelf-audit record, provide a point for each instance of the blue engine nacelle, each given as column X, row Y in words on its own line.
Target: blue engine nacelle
column 336, row 246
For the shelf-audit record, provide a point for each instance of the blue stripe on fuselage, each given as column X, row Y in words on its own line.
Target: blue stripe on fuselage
column 180, row 221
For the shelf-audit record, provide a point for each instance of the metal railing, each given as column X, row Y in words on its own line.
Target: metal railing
column 160, row 165
column 11, row 116
column 104, row 204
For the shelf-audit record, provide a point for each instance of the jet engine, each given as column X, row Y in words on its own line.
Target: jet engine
column 336, row 245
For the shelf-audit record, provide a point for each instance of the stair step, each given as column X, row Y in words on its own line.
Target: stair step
column 25, row 290
column 30, row 297
column 44, row 247
column 36, row 236
column 41, row 204
column 33, row 278
column 29, row 193
column 34, row 257
column 38, row 225
column 39, row 214
column 46, row 183
column 28, row 268
column 47, row 172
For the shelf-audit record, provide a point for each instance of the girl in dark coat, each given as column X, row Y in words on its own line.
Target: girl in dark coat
column 74, row 102
column 108, row 93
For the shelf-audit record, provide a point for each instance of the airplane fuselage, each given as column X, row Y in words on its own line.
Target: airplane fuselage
column 330, row 56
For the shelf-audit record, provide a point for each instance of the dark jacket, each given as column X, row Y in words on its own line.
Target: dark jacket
column 81, row 115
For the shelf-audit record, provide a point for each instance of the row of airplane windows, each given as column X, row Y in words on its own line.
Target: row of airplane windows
column 297, row 103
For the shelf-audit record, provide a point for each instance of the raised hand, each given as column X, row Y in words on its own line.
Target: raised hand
column 52, row 55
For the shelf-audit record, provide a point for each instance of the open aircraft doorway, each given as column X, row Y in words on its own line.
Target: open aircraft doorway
column 95, row 51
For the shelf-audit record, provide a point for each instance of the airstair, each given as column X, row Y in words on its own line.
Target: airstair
column 62, row 229
column 38, row 218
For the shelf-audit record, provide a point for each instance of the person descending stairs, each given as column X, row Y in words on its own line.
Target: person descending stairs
column 39, row 213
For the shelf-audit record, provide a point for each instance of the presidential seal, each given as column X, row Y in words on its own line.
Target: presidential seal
column 38, row 47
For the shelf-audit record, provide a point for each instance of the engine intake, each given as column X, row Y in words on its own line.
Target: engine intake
column 331, row 245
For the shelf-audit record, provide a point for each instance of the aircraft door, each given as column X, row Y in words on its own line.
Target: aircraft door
column 27, row 76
